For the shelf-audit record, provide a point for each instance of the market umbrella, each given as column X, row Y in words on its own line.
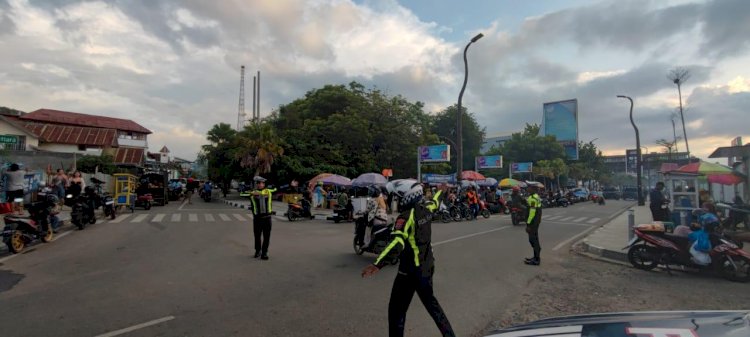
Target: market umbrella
column 369, row 179
column 534, row 183
column 337, row 180
column 472, row 175
column 489, row 182
column 725, row 179
column 467, row 183
column 315, row 179
column 706, row 168
column 510, row 182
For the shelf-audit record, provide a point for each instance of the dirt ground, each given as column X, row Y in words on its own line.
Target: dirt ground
column 581, row 285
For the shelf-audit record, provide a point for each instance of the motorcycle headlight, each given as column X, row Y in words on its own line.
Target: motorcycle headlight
column 69, row 196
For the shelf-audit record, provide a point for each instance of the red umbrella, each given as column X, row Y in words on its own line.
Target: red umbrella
column 472, row 175
column 725, row 179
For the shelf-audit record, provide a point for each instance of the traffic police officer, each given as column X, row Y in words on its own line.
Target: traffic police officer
column 261, row 203
column 532, row 224
column 412, row 236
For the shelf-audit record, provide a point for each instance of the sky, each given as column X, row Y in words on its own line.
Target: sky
column 174, row 66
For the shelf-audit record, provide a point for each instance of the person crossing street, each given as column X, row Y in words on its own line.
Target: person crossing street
column 261, row 203
column 532, row 224
column 411, row 242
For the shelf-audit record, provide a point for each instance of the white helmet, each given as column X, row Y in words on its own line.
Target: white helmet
column 408, row 191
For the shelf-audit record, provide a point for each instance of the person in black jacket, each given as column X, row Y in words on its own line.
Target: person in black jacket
column 261, row 203
column 412, row 236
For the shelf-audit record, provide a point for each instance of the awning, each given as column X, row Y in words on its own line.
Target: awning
column 128, row 155
column 731, row 151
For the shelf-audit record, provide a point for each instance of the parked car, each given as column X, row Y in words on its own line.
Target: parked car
column 629, row 193
column 582, row 193
column 611, row 193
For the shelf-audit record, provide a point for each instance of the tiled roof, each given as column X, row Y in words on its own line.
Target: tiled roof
column 129, row 155
column 65, row 134
column 79, row 119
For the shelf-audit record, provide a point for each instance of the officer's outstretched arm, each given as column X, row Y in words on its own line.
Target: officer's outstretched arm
column 398, row 242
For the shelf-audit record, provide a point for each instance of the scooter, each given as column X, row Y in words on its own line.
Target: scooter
column 106, row 200
column 379, row 238
column 483, row 210
column 517, row 215
column 83, row 208
column 561, row 201
column 206, row 193
column 651, row 247
column 19, row 231
column 299, row 210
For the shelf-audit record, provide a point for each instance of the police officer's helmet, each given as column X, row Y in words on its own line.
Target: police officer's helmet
column 409, row 192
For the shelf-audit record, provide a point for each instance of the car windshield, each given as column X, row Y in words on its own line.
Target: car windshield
column 247, row 168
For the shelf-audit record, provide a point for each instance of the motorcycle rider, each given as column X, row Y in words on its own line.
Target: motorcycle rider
column 261, row 202
column 516, row 199
column 473, row 200
column 412, row 236
column 532, row 224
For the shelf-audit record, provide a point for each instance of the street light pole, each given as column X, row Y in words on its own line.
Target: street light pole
column 638, row 164
column 459, row 114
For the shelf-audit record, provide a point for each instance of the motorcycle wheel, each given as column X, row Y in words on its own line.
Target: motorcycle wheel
column 737, row 272
column 506, row 211
column 565, row 204
column 16, row 243
column 77, row 223
column 445, row 217
column 456, row 214
column 47, row 234
column 485, row 213
column 92, row 220
column 514, row 219
column 640, row 256
column 357, row 248
column 291, row 216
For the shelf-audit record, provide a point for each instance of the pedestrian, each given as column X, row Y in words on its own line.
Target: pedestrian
column 261, row 203
column 14, row 182
column 411, row 242
column 59, row 181
column 318, row 195
column 190, row 187
column 473, row 200
column 532, row 224
column 658, row 203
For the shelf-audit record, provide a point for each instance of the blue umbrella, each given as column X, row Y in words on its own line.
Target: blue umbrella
column 369, row 179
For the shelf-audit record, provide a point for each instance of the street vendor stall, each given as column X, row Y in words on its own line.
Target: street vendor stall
column 682, row 192
column 156, row 184
column 125, row 185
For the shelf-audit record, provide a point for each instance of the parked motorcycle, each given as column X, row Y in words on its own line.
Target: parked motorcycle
column 82, row 212
column 561, row 201
column 739, row 213
column 483, row 210
column 650, row 248
column 19, row 231
column 517, row 215
column 443, row 214
column 105, row 199
column 299, row 210
column 379, row 238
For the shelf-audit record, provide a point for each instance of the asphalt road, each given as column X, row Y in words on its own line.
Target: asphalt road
column 188, row 271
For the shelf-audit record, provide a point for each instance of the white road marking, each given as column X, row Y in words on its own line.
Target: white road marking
column 120, row 218
column 176, row 217
column 568, row 218
column 136, row 327
column 552, row 217
column 580, row 219
column 192, row 217
column 183, row 204
column 224, row 217
column 568, row 241
column 593, row 220
column 469, row 236
column 61, row 235
column 210, row 217
column 158, row 218
column 239, row 217
column 139, row 218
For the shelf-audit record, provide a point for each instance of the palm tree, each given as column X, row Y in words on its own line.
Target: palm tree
column 258, row 147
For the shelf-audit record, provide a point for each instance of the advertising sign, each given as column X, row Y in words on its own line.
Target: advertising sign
column 435, row 153
column 560, row 119
column 8, row 139
column 489, row 162
column 432, row 178
column 631, row 156
column 521, row 167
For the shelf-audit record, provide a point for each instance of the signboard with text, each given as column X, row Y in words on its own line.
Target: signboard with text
column 8, row 139
column 435, row 154
column 489, row 162
column 521, row 167
column 432, row 178
column 560, row 119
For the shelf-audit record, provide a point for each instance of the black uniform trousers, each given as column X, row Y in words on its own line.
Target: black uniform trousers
column 533, row 230
column 403, row 290
column 262, row 226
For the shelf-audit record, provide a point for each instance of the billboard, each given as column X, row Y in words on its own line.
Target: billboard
column 631, row 156
column 435, row 154
column 560, row 119
column 521, row 167
column 488, row 162
column 432, row 178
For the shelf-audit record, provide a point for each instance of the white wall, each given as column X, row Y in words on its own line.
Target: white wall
column 132, row 142
column 7, row 129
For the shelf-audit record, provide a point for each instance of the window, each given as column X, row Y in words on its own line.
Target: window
column 81, row 147
column 20, row 144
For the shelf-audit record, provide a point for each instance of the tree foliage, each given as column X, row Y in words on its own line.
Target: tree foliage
column 90, row 164
column 472, row 134
column 529, row 146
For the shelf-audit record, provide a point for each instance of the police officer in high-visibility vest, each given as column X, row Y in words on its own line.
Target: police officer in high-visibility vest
column 532, row 224
column 260, row 203
column 411, row 242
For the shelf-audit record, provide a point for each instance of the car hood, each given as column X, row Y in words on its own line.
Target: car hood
column 638, row 324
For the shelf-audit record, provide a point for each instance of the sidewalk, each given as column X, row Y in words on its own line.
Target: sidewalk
column 279, row 207
column 608, row 240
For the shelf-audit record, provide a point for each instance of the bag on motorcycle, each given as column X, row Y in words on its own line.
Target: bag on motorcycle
column 699, row 257
column 701, row 240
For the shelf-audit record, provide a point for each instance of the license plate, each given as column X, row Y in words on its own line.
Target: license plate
column 109, row 202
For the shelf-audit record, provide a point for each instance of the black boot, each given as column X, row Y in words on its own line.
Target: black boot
column 257, row 254
column 533, row 262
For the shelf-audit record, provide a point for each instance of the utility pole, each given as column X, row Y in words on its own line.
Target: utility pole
column 459, row 114
column 241, row 106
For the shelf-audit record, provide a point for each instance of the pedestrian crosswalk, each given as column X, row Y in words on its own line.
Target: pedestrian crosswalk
column 178, row 217
column 571, row 219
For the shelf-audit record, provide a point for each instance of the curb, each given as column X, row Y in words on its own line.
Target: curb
column 599, row 253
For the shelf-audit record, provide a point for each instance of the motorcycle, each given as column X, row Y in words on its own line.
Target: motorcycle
column 517, row 215
column 561, row 201
column 739, row 213
column 379, row 239
column 20, row 231
column 483, row 210
column 206, row 193
column 105, row 199
column 82, row 212
column 443, row 214
column 299, row 210
column 652, row 247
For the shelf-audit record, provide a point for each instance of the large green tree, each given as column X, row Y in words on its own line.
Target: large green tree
column 472, row 134
column 529, row 146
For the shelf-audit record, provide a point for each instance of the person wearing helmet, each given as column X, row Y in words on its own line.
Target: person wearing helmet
column 532, row 224
column 412, row 236
column 516, row 200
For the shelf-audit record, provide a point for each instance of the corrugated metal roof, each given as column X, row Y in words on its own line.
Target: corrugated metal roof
column 129, row 155
column 79, row 119
column 65, row 134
